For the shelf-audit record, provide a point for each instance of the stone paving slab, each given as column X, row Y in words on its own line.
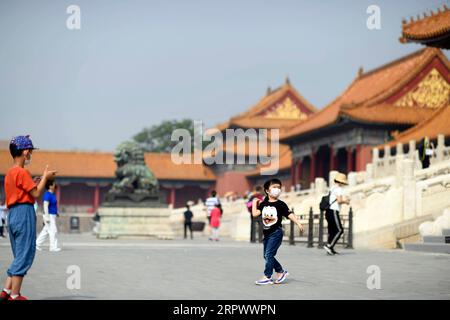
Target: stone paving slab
column 199, row 269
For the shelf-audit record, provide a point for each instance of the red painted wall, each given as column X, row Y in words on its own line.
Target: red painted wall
column 363, row 157
column 77, row 194
column 185, row 194
column 232, row 181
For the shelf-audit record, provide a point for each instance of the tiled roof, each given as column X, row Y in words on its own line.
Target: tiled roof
column 68, row 164
column 388, row 113
column 102, row 165
column 285, row 162
column 438, row 123
column 433, row 25
column 254, row 117
column 164, row 168
column 364, row 99
column 246, row 148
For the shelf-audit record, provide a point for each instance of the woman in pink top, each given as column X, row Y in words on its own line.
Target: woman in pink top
column 215, row 222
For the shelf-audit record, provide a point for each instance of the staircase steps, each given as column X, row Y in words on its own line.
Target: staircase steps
column 435, row 244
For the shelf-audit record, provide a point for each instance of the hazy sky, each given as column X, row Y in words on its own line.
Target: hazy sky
column 136, row 63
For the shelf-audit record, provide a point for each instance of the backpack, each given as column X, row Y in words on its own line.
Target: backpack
column 325, row 202
column 249, row 204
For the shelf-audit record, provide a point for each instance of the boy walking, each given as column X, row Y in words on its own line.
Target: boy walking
column 21, row 192
column 272, row 211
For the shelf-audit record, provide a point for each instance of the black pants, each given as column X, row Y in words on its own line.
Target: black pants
column 335, row 229
column 186, row 226
column 426, row 162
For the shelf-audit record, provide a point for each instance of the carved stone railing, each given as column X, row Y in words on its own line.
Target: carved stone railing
column 386, row 165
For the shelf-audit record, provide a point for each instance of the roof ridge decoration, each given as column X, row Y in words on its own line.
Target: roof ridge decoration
column 428, row 54
column 405, row 69
column 432, row 25
column 276, row 94
column 286, row 110
column 283, row 97
column 396, row 61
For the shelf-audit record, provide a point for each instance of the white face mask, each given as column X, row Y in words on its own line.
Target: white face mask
column 28, row 161
column 275, row 192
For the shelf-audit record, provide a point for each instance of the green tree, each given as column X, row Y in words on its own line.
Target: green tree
column 157, row 137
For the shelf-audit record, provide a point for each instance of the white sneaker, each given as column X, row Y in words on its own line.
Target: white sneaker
column 38, row 248
column 328, row 250
column 264, row 281
column 55, row 250
column 282, row 278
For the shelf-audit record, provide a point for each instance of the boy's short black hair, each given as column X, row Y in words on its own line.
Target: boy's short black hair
column 270, row 182
column 14, row 151
column 213, row 193
column 49, row 183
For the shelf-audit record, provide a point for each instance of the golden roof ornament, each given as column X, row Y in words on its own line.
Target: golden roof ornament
column 433, row 91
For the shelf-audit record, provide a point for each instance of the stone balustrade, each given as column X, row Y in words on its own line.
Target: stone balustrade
column 386, row 165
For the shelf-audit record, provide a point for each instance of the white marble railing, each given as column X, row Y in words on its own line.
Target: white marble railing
column 386, row 165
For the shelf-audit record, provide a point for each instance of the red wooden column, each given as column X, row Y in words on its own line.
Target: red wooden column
column 299, row 171
column 96, row 197
column 312, row 173
column 349, row 159
column 332, row 159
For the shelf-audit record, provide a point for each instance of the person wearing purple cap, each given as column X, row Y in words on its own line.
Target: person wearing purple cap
column 21, row 192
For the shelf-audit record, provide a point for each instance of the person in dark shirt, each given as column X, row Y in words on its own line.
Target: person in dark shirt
column 426, row 151
column 188, row 215
column 272, row 210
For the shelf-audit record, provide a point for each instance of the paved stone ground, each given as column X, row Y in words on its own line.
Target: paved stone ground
column 199, row 269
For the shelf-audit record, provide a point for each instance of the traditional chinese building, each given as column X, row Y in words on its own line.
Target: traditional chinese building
column 279, row 109
column 432, row 29
column 84, row 177
column 374, row 109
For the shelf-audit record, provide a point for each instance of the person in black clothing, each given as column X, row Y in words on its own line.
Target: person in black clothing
column 188, row 215
column 425, row 152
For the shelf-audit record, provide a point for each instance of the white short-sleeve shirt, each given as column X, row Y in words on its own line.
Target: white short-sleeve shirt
column 210, row 203
column 335, row 192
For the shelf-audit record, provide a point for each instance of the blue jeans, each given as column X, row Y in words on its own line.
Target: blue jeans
column 271, row 244
column 22, row 234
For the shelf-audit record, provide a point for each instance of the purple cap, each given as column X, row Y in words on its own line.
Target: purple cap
column 23, row 142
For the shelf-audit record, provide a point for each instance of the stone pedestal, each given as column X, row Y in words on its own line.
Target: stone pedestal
column 132, row 222
column 241, row 227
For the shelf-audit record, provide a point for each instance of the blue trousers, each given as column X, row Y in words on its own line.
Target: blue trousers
column 271, row 244
column 22, row 234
